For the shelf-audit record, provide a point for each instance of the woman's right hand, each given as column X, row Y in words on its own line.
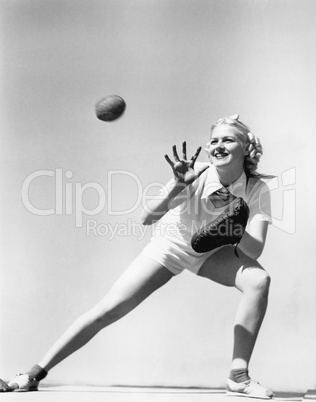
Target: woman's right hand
column 183, row 169
column 184, row 174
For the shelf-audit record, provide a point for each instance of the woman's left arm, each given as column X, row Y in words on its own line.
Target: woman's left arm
column 253, row 240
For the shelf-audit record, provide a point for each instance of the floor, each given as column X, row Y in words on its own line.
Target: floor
column 135, row 394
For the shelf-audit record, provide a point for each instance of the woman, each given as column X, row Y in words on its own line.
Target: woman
column 185, row 204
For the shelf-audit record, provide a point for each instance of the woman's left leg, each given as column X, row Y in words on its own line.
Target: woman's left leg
column 248, row 276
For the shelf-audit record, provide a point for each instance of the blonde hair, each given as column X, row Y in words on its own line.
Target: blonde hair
column 247, row 139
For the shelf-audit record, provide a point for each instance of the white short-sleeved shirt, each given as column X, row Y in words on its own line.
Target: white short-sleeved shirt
column 171, row 241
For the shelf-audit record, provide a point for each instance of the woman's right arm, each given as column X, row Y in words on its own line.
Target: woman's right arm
column 158, row 206
column 184, row 174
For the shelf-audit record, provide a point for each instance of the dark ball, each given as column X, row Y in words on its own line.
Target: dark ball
column 110, row 108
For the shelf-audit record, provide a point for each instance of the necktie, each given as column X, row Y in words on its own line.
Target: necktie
column 221, row 197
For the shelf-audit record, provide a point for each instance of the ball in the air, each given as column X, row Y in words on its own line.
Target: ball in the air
column 110, row 108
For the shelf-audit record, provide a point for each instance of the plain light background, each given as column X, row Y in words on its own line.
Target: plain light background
column 179, row 65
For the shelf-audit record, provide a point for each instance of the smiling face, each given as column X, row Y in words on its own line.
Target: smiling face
column 226, row 149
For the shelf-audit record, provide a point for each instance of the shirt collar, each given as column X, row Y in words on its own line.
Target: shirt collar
column 212, row 184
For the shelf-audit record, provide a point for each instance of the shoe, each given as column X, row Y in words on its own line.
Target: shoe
column 250, row 389
column 23, row 383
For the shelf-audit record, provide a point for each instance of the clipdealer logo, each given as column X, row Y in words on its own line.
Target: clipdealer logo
column 69, row 196
column 69, row 199
column 283, row 188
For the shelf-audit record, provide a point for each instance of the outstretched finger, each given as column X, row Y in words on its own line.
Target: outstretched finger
column 184, row 150
column 169, row 161
column 202, row 169
column 194, row 157
column 175, row 153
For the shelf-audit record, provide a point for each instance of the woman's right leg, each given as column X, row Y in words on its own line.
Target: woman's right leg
column 141, row 278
